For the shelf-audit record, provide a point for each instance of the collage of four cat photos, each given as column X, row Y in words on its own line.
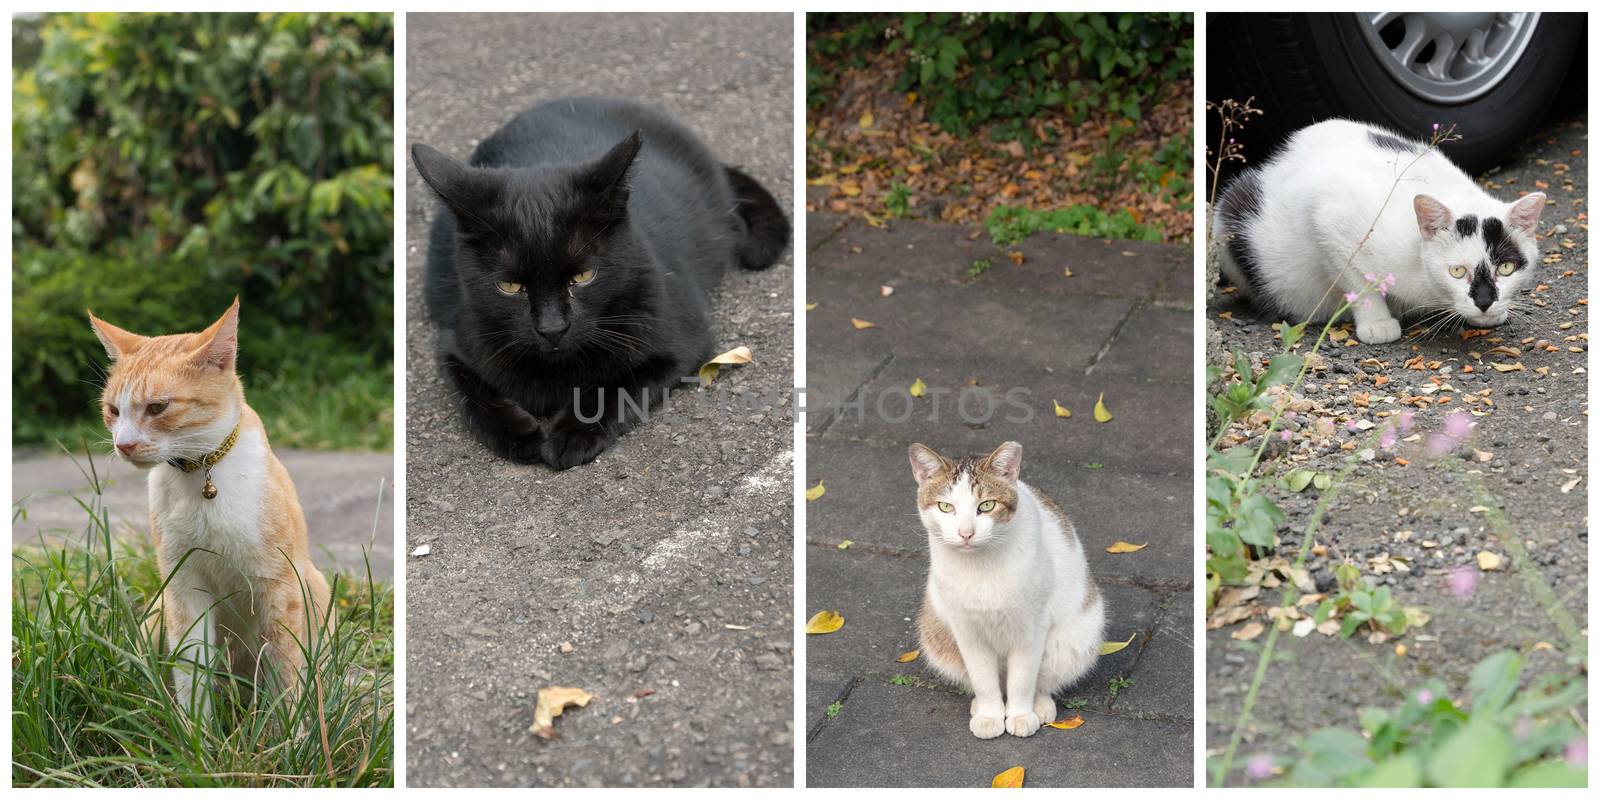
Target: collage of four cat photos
column 1027, row 351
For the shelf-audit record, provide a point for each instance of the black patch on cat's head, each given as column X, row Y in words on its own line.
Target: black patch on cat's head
column 1384, row 141
column 538, row 228
column 1466, row 225
column 1483, row 291
column 1500, row 244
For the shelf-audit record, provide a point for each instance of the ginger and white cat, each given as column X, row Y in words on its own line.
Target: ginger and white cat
column 1289, row 226
column 1009, row 592
column 175, row 407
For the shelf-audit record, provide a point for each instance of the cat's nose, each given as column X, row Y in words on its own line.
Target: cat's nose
column 551, row 330
column 126, row 448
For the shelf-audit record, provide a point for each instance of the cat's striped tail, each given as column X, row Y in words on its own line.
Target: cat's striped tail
column 766, row 228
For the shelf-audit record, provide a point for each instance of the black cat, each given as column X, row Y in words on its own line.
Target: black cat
column 571, row 268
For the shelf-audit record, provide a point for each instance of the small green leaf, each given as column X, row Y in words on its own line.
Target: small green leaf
column 1297, row 480
column 1478, row 755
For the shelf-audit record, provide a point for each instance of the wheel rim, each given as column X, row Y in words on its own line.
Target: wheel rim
column 1448, row 58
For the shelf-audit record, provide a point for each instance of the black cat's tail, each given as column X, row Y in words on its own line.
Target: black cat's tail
column 766, row 228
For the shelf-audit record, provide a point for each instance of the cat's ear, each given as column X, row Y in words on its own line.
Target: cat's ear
column 1524, row 214
column 606, row 180
column 116, row 341
column 462, row 188
column 1006, row 460
column 1432, row 217
column 925, row 463
column 219, row 344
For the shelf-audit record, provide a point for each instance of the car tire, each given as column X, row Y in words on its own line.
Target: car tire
column 1304, row 68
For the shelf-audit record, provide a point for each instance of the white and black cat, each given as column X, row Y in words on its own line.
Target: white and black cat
column 1289, row 226
column 572, row 268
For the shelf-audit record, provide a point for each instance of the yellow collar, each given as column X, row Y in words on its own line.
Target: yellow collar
column 207, row 461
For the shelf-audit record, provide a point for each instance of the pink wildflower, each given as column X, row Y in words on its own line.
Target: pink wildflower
column 1387, row 439
column 1436, row 126
column 1424, row 697
column 1463, row 582
column 1406, row 418
column 1350, row 297
column 1284, row 434
column 1350, row 425
column 1457, row 426
column 1259, row 766
column 1577, row 752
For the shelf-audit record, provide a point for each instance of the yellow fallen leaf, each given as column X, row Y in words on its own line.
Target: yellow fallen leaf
column 866, row 119
column 810, row 306
column 551, row 702
column 908, row 656
column 1101, row 413
column 824, row 622
column 845, row 545
column 1074, row 721
column 849, row 169
column 1248, row 631
column 1062, row 411
column 708, row 373
column 850, row 188
column 873, row 221
column 1125, row 547
column 861, row 324
column 1488, row 561
column 918, row 388
column 1107, row 648
column 816, row 491
column 1513, row 367
column 1010, row 779
column 1067, row 272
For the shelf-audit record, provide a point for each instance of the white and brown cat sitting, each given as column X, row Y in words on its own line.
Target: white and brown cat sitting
column 175, row 407
column 1009, row 592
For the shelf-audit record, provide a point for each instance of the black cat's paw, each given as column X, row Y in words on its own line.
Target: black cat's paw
column 566, row 448
column 523, row 449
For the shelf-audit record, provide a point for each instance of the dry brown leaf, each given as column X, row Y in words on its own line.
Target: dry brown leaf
column 1074, row 721
column 551, row 702
column 861, row 324
column 1248, row 631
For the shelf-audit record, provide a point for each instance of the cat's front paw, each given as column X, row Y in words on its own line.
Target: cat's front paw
column 1381, row 331
column 987, row 727
column 568, row 447
column 523, row 449
column 1044, row 707
column 1024, row 724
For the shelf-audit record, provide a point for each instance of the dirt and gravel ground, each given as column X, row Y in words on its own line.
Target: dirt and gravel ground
column 1528, row 452
column 667, row 565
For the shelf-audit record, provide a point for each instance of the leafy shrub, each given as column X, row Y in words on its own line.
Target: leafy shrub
column 1506, row 735
column 164, row 163
column 974, row 68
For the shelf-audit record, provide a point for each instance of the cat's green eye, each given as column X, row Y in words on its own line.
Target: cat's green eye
column 507, row 287
column 985, row 506
column 1458, row 271
column 1506, row 268
column 583, row 277
column 946, row 508
column 155, row 408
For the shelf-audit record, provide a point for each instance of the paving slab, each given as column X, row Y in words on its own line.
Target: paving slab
column 1029, row 330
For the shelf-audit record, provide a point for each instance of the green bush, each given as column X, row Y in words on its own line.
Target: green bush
column 976, row 68
column 164, row 163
